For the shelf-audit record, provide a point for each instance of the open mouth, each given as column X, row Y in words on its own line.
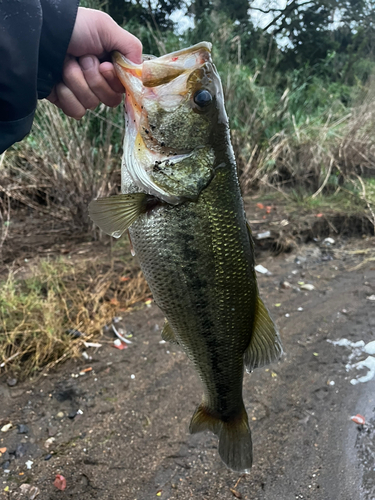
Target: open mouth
column 162, row 81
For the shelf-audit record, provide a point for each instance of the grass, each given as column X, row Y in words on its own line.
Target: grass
column 37, row 311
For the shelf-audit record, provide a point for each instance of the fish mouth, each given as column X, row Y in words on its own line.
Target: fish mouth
column 149, row 80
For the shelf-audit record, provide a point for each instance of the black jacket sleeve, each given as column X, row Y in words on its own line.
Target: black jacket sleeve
column 34, row 37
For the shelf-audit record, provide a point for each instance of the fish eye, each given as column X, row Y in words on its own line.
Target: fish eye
column 202, row 98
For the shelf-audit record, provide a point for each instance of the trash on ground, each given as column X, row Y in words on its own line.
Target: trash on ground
column 86, row 370
column 60, row 482
column 307, row 286
column 370, row 347
column 76, row 334
column 329, row 241
column 49, row 441
column 120, row 336
column 132, row 376
column 287, row 315
column 28, row 464
column 369, row 363
column 261, row 269
column 300, row 309
column 6, row 427
column 2, row 450
column 358, row 419
column 235, row 493
column 285, row 285
column 29, row 490
column 371, row 297
column 92, row 344
column 263, row 236
column 119, row 344
column 278, row 304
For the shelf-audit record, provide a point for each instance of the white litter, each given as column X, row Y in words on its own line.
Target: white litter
column 308, row 287
column 369, row 363
column 328, row 241
column 29, row 463
column 371, row 297
column 263, row 236
column 261, row 269
column 92, row 344
column 120, row 336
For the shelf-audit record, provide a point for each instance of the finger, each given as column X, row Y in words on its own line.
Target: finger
column 108, row 71
column 97, row 82
column 68, row 102
column 74, row 79
column 52, row 97
column 116, row 38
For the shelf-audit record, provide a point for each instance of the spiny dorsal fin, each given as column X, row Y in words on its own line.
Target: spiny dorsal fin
column 167, row 333
column 115, row 214
column 265, row 344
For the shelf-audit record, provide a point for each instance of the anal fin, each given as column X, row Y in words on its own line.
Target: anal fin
column 167, row 333
column 265, row 344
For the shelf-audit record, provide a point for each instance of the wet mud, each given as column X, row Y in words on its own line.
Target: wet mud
column 120, row 431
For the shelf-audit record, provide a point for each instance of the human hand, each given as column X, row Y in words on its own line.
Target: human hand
column 86, row 80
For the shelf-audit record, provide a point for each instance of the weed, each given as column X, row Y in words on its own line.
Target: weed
column 57, row 296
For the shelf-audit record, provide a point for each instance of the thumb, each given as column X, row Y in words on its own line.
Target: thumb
column 116, row 38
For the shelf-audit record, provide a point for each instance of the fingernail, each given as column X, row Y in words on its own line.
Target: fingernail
column 86, row 62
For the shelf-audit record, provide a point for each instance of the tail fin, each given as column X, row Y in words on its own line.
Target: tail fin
column 235, row 445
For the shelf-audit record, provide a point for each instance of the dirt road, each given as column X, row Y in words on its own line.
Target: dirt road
column 130, row 437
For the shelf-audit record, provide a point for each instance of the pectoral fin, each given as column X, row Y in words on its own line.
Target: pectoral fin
column 168, row 334
column 265, row 344
column 115, row 214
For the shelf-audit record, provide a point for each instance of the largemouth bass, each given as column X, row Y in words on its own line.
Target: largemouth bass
column 182, row 205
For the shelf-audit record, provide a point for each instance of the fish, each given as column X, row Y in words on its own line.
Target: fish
column 182, row 207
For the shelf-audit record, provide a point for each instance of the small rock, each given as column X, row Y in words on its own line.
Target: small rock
column 11, row 382
column 49, row 441
column 307, row 286
column 48, row 457
column 285, row 285
column 52, row 431
column 5, row 465
column 20, row 451
column 22, row 429
column 6, row 427
column 61, row 414
column 72, row 414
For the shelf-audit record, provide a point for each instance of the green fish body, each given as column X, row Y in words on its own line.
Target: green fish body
column 188, row 228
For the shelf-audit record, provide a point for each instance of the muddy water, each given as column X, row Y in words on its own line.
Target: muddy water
column 131, row 441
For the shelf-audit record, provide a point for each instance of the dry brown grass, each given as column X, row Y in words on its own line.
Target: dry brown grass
column 64, row 164
column 38, row 310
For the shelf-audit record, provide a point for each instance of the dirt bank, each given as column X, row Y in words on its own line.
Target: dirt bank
column 129, row 439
